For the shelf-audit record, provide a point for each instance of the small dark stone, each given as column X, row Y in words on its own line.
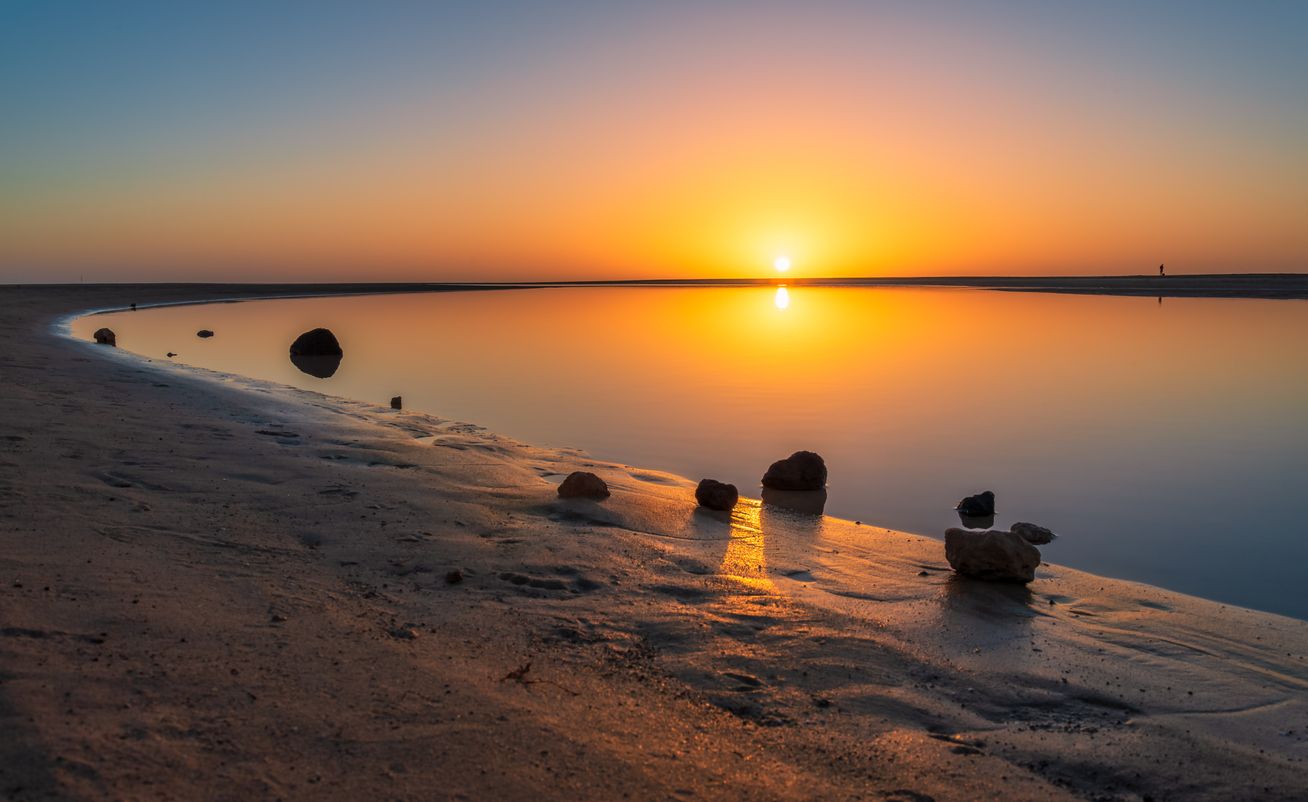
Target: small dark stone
column 716, row 495
column 170, row 355
column 133, row 307
column 454, row 577
column 397, row 402
column 802, row 470
column 979, row 505
column 1034, row 534
column 583, row 484
column 105, row 337
column 204, row 334
column 316, row 342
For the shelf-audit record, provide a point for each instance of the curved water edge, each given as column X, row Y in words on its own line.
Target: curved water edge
column 514, row 378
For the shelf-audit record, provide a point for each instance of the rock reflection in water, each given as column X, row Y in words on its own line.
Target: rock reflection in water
column 809, row 502
column 323, row 367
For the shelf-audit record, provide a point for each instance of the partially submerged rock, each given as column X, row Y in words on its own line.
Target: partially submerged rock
column 802, row 470
column 105, row 337
column 204, row 334
column 993, row 555
column 1033, row 533
column 980, row 505
column 397, row 402
column 316, row 342
column 583, row 484
column 716, row 495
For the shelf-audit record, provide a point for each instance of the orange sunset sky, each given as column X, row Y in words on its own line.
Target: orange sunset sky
column 398, row 141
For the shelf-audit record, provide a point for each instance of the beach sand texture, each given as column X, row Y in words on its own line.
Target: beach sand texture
column 216, row 588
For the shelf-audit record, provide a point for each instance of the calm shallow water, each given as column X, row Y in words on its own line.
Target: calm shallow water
column 1166, row 443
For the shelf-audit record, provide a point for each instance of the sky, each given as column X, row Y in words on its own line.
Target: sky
column 324, row 141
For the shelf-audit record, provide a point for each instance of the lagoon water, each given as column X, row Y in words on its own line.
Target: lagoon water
column 1165, row 441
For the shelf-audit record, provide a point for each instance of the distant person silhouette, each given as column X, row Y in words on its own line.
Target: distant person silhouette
column 1160, row 271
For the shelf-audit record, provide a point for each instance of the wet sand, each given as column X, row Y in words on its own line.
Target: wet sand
column 213, row 587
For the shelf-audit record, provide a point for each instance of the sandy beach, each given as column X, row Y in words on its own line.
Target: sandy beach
column 212, row 587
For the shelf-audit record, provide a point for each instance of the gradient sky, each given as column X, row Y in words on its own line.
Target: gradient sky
column 498, row 140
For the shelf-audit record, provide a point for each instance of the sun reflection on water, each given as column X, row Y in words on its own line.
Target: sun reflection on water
column 744, row 559
column 782, row 299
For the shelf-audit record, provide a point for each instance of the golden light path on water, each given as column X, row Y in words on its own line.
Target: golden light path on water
column 744, row 559
column 782, row 298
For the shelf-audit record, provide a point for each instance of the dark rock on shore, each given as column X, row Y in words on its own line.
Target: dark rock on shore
column 316, row 342
column 977, row 506
column 105, row 337
column 995, row 555
column 397, row 402
column 716, row 495
column 583, row 484
column 1033, row 533
column 204, row 334
column 802, row 470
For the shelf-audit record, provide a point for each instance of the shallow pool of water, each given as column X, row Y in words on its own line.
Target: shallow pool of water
column 1164, row 441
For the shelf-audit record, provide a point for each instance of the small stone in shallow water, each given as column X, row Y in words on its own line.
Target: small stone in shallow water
column 105, row 337
column 802, row 470
column 204, row 334
column 316, row 342
column 979, row 505
column 397, row 402
column 1033, row 533
column 454, row 577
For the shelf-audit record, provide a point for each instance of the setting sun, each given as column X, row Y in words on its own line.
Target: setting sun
column 781, row 263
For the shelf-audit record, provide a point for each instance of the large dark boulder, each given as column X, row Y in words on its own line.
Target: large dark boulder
column 583, row 484
column 716, row 495
column 317, row 342
column 996, row 555
column 977, row 506
column 802, row 470
column 105, row 337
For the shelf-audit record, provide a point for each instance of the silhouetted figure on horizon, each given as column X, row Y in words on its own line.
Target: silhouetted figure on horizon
column 1160, row 271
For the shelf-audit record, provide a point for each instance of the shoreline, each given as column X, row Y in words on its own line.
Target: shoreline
column 814, row 649
column 62, row 327
column 1263, row 286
